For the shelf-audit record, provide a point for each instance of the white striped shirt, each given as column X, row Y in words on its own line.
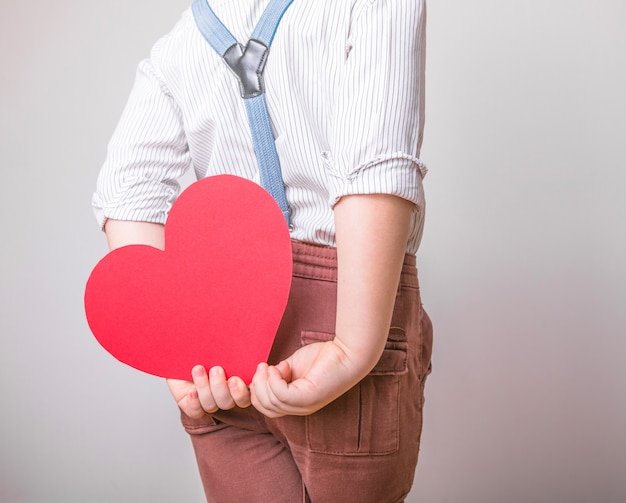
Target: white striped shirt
column 345, row 91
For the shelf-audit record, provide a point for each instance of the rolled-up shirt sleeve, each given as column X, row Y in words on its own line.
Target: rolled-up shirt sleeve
column 146, row 155
column 379, row 115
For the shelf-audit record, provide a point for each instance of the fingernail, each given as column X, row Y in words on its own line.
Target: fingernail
column 199, row 371
column 215, row 371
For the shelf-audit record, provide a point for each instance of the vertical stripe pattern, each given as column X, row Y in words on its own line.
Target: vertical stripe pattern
column 345, row 91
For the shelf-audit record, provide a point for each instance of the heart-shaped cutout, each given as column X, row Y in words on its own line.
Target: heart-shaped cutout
column 215, row 296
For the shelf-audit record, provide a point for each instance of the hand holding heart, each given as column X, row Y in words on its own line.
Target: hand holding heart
column 209, row 392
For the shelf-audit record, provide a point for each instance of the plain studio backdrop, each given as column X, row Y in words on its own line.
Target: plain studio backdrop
column 522, row 265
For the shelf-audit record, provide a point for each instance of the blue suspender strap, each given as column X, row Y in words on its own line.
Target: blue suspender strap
column 212, row 29
column 248, row 64
column 267, row 24
column 266, row 154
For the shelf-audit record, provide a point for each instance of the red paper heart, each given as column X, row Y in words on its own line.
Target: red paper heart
column 215, row 296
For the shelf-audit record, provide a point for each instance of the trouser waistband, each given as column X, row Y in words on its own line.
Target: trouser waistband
column 320, row 262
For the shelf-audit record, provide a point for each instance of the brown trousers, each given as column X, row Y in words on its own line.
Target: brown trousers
column 361, row 448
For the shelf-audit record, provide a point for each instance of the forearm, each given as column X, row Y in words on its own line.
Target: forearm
column 121, row 233
column 371, row 233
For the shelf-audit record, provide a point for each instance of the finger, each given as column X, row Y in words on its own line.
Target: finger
column 258, row 389
column 178, row 388
column 191, row 405
column 291, row 398
column 205, row 395
column 280, row 393
column 220, row 389
column 263, row 397
column 186, row 396
column 284, row 368
column 239, row 391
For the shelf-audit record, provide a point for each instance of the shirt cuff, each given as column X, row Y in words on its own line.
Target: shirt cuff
column 143, row 201
column 397, row 174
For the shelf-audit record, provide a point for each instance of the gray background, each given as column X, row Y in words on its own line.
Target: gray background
column 522, row 266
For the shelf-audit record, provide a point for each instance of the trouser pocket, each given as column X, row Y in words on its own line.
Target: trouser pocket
column 365, row 420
